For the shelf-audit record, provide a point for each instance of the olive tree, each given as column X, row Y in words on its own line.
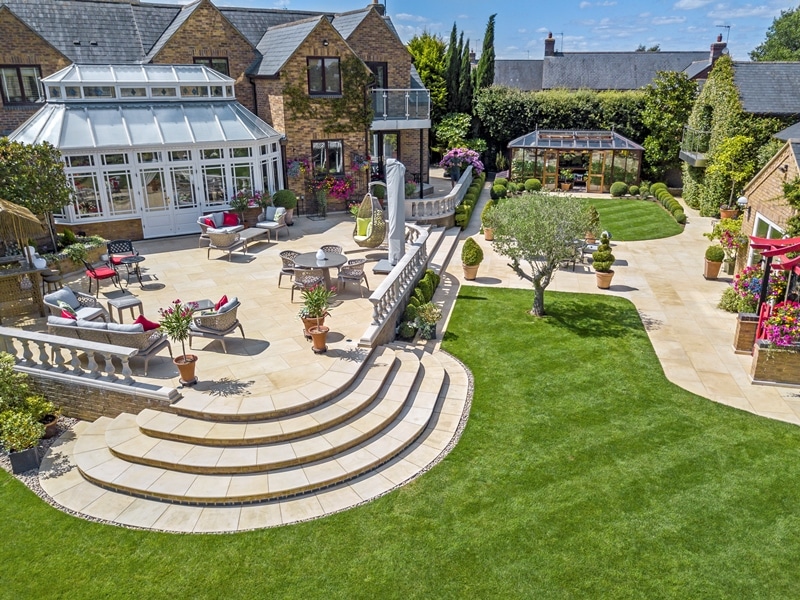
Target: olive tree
column 540, row 230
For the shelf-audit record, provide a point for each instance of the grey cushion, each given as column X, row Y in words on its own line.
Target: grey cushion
column 64, row 295
column 127, row 327
column 228, row 305
column 270, row 213
column 218, row 218
column 279, row 212
column 54, row 320
column 92, row 324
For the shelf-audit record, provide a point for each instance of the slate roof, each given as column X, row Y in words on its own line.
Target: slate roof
column 520, row 74
column 180, row 19
column 697, row 67
column 790, row 133
column 346, row 23
column 151, row 21
column 253, row 23
column 278, row 45
column 768, row 88
column 416, row 80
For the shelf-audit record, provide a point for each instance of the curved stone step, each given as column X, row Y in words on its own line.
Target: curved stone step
column 202, row 432
column 345, row 367
column 126, row 441
column 99, row 466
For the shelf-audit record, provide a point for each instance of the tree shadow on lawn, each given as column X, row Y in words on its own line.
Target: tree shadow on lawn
column 593, row 316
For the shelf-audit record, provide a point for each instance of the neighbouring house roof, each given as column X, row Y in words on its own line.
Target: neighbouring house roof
column 592, row 70
column 253, row 23
column 278, row 45
column 567, row 139
column 697, row 67
column 87, row 126
column 768, row 88
column 416, row 80
column 790, row 133
column 346, row 23
column 180, row 19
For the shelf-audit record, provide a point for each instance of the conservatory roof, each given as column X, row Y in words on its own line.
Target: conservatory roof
column 574, row 140
column 160, row 74
column 88, row 126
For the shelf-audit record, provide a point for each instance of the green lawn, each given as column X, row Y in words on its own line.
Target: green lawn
column 631, row 220
column 582, row 473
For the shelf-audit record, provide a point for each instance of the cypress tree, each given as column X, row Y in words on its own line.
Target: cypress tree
column 453, row 62
column 465, row 82
column 485, row 69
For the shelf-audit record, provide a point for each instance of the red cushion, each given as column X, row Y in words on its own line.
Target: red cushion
column 229, row 219
column 210, row 222
column 223, row 300
column 146, row 323
column 103, row 272
column 117, row 260
column 66, row 314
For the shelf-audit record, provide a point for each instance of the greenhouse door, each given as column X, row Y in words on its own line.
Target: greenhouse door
column 170, row 202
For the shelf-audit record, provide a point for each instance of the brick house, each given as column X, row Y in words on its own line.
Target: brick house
column 320, row 57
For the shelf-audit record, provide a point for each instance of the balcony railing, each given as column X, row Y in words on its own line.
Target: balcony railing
column 694, row 146
column 401, row 105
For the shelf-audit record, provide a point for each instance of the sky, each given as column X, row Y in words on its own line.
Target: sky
column 578, row 26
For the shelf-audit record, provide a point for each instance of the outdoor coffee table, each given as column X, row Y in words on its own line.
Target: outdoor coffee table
column 123, row 302
column 200, row 305
column 132, row 264
column 253, row 234
column 309, row 260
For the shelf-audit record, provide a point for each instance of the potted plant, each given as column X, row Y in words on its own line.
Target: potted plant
column 593, row 222
column 487, row 221
column 288, row 200
column 43, row 411
column 565, row 177
column 602, row 260
column 20, row 434
column 427, row 316
column 471, row 258
column 176, row 321
column 727, row 211
column 316, row 302
column 715, row 254
column 240, row 203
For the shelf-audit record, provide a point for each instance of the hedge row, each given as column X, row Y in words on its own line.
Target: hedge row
column 661, row 193
column 464, row 210
column 422, row 294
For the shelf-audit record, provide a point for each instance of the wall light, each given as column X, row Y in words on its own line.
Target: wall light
column 325, row 43
column 742, row 203
column 783, row 168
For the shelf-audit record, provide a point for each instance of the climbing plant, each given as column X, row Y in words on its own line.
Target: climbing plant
column 341, row 114
column 791, row 191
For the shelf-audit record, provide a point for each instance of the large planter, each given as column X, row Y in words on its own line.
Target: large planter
column 745, row 336
column 50, row 423
column 775, row 365
column 565, row 187
column 711, row 269
column 66, row 265
column 25, row 460
column 289, row 218
column 186, row 364
column 604, row 279
column 319, row 336
column 470, row 271
column 488, row 234
column 728, row 213
column 309, row 322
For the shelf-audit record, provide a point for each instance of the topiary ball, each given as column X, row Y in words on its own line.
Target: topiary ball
column 618, row 189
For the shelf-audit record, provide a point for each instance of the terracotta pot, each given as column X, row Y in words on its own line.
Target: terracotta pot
column 319, row 334
column 728, row 213
column 289, row 218
column 604, row 279
column 488, row 234
column 309, row 322
column 711, row 270
column 186, row 364
column 589, row 238
column 565, row 187
column 470, row 271
column 50, row 423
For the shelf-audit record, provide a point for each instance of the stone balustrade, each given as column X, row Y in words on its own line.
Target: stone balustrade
column 437, row 209
column 389, row 298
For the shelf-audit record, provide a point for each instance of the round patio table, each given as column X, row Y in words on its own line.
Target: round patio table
column 308, row 260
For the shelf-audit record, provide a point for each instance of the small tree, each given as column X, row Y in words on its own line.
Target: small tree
column 733, row 160
column 485, row 71
column 782, row 40
column 540, row 230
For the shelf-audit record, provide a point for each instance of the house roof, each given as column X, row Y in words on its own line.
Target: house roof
column 592, row 70
column 768, row 88
column 573, row 139
column 697, row 67
column 253, row 23
column 180, row 19
column 278, row 45
column 346, row 23
column 790, row 133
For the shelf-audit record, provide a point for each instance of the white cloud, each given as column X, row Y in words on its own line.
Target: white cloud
column 542, row 30
column 404, row 17
column 522, row 31
column 584, row 5
column 281, row 4
column 607, row 3
column 668, row 20
column 743, row 12
column 691, row 4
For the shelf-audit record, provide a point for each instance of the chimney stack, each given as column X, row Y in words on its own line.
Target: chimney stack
column 550, row 45
column 717, row 49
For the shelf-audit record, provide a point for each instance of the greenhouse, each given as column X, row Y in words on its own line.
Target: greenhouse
column 575, row 160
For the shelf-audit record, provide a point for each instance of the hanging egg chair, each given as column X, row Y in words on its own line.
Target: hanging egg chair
column 370, row 229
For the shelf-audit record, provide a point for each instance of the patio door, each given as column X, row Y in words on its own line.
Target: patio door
column 596, row 172
column 170, row 201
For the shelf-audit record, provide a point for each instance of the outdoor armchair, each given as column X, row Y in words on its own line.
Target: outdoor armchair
column 218, row 324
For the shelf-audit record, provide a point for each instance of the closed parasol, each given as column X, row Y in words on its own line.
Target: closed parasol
column 17, row 223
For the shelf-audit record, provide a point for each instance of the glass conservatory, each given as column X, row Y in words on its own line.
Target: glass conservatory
column 581, row 160
column 154, row 144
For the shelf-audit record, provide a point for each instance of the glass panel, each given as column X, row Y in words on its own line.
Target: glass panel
column 30, row 83
column 215, row 184
column 203, row 122
column 76, row 131
column 99, row 92
column 129, row 73
column 274, row 184
column 129, row 92
column 148, row 157
column 216, row 91
column 608, row 173
column 232, row 127
column 319, row 156
column 163, row 92
column 632, row 169
column 118, row 187
column 73, row 91
column 241, row 152
column 172, row 121
column 215, row 153
column 155, row 200
column 274, row 147
column 80, row 160
column 390, row 145
column 596, row 163
column 242, row 178
column 180, row 155
column 55, row 91
column 333, row 83
column 184, row 190
column 11, row 87
column 229, row 89
column 194, row 91
column 141, row 125
column 108, row 127
column 220, row 65
column 550, row 160
column 315, row 76
column 164, row 73
column 115, row 159
column 86, row 199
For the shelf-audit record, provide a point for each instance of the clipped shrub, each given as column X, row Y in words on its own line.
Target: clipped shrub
column 413, row 300
column 618, row 189
column 379, row 192
column 715, row 253
column 501, row 181
column 285, row 198
column 513, row 188
column 407, row 329
column 471, row 253
column 19, row 430
column 533, row 185
column 420, row 296
column 434, row 277
column 602, row 259
column 410, row 313
column 497, row 191
column 681, row 218
column 633, row 190
column 426, row 287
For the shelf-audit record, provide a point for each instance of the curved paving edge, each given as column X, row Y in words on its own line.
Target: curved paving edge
column 66, row 489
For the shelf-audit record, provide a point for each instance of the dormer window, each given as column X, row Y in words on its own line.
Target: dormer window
column 20, row 85
column 324, row 76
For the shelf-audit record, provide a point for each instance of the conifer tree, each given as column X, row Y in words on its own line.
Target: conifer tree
column 453, row 62
column 484, row 76
column 465, row 82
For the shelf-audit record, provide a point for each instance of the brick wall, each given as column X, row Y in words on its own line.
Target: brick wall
column 373, row 41
column 19, row 45
column 207, row 33
column 409, row 151
column 765, row 192
column 128, row 229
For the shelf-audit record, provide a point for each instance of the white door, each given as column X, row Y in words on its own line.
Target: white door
column 170, row 201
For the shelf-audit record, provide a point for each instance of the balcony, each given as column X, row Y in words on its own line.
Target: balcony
column 694, row 147
column 401, row 109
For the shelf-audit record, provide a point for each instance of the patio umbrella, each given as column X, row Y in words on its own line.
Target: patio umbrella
column 396, row 196
column 18, row 223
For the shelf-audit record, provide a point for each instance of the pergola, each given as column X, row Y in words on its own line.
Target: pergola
column 769, row 250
